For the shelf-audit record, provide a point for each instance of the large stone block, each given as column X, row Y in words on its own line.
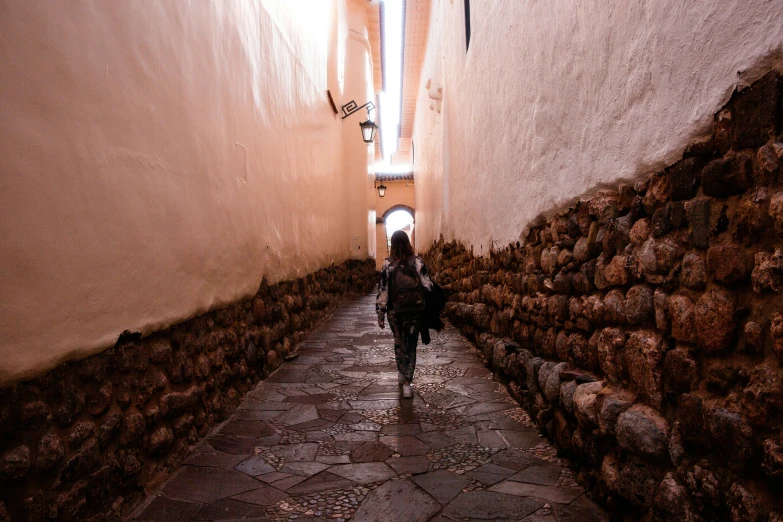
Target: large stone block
column 611, row 357
column 639, row 307
column 642, row 431
column 585, row 402
column 694, row 271
column 615, row 273
column 70, row 406
column 661, row 303
column 743, row 504
column 681, row 370
column 756, row 112
column 698, row 212
column 50, row 452
column 567, row 392
column 640, row 232
column 773, row 458
column 729, row 264
column 750, row 221
column 690, row 415
column 767, row 273
column 14, row 463
column 615, row 307
column 35, row 415
column 549, row 260
column 681, row 311
column 658, row 193
column 673, row 502
column 762, row 398
column 727, row 176
column 579, row 347
column 684, row 178
column 612, row 405
column 175, row 403
column 632, row 481
column 81, row 463
column 776, row 211
column 706, row 489
column 543, row 373
column 552, row 385
column 731, row 437
column 714, row 320
column 160, row 351
column 644, row 354
column 776, row 333
column 605, row 206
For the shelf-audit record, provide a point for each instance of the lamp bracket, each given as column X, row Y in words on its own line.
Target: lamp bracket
column 350, row 108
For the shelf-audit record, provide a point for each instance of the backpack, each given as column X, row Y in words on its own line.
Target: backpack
column 406, row 293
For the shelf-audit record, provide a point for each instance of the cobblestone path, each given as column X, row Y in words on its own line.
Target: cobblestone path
column 329, row 437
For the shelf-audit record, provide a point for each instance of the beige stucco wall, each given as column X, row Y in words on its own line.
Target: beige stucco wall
column 557, row 98
column 397, row 193
column 157, row 159
column 359, row 87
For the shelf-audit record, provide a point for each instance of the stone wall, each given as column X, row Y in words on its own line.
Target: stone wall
column 91, row 437
column 643, row 328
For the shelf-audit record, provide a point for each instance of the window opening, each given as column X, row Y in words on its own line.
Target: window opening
column 467, row 25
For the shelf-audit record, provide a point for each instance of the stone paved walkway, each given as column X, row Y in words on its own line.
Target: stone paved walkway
column 328, row 437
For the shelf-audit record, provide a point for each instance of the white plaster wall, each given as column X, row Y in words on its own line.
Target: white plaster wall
column 558, row 98
column 157, row 159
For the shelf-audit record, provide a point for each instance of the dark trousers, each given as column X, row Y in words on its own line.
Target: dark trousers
column 405, row 328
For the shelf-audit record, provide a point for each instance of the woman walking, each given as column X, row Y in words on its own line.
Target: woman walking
column 401, row 295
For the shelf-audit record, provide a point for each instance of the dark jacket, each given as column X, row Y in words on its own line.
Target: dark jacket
column 436, row 302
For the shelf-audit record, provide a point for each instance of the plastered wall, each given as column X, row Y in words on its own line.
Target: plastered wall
column 554, row 100
column 359, row 87
column 159, row 160
column 397, row 193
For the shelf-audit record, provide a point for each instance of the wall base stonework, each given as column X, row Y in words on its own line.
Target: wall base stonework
column 88, row 439
column 643, row 328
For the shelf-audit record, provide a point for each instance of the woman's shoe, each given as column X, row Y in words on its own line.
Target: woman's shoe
column 400, row 379
column 407, row 391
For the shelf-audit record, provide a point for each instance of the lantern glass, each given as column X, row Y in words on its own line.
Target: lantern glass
column 381, row 190
column 369, row 129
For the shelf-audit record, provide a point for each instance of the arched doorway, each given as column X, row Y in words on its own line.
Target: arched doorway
column 399, row 217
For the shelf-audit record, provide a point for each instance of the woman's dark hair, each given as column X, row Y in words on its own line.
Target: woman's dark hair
column 401, row 246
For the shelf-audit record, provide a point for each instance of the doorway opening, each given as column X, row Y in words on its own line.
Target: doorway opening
column 398, row 218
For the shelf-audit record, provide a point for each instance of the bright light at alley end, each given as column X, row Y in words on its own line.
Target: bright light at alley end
column 369, row 128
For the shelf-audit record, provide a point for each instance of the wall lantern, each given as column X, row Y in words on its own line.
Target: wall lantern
column 381, row 190
column 369, row 128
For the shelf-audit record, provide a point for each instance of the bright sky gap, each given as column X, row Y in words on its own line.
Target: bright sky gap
column 391, row 99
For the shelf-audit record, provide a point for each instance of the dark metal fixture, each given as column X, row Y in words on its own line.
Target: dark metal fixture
column 369, row 128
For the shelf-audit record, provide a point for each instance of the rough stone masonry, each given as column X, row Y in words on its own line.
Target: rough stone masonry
column 643, row 328
column 87, row 440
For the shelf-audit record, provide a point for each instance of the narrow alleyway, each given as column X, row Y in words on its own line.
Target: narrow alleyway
column 327, row 437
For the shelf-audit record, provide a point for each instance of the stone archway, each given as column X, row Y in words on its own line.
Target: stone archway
column 396, row 208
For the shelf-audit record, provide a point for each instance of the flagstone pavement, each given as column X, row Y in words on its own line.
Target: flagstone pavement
column 329, row 437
